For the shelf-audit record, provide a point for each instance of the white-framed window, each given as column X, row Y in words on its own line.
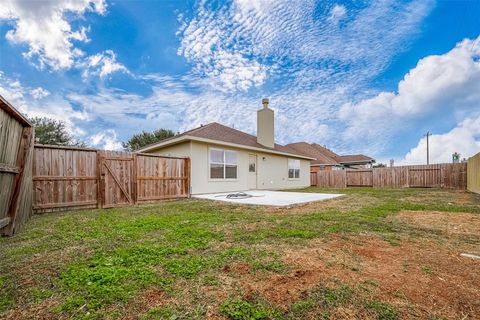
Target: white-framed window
column 223, row 164
column 293, row 169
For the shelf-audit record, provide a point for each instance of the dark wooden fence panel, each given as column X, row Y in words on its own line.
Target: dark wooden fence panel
column 453, row 176
column 359, row 178
column 333, row 179
column 162, row 178
column 16, row 143
column 73, row 178
column 64, row 177
column 383, row 178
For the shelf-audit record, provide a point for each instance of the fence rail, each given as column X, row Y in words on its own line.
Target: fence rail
column 73, row 178
column 448, row 175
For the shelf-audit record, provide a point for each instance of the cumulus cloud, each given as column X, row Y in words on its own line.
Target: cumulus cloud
column 43, row 26
column 337, row 12
column 106, row 140
column 439, row 86
column 103, row 64
column 39, row 93
column 464, row 139
column 315, row 66
column 56, row 107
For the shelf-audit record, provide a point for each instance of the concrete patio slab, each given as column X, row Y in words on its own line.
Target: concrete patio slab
column 271, row 198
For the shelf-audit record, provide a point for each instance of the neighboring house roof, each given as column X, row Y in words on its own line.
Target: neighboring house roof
column 355, row 158
column 325, row 151
column 313, row 151
column 219, row 134
column 326, row 156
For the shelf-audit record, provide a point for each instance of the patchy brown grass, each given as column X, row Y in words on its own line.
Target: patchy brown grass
column 420, row 278
column 41, row 311
column 397, row 247
column 446, row 222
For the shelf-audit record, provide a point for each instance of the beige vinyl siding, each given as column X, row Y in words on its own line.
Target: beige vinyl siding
column 177, row 150
column 272, row 169
column 273, row 172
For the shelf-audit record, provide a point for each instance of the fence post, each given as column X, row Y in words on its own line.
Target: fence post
column 135, row 179
column 99, row 180
column 187, row 171
column 408, row 177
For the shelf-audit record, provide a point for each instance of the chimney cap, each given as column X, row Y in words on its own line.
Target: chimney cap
column 265, row 102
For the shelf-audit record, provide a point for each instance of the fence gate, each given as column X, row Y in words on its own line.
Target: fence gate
column 117, row 180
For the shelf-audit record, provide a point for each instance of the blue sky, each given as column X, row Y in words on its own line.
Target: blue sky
column 357, row 76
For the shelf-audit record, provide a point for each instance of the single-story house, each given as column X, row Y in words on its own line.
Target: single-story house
column 224, row 159
column 326, row 159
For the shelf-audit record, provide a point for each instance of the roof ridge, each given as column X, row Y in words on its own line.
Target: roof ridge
column 223, row 133
column 201, row 126
column 245, row 133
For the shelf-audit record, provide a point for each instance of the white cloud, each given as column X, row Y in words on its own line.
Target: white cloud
column 12, row 90
column 43, row 26
column 319, row 66
column 439, row 86
column 239, row 46
column 103, row 64
column 464, row 139
column 106, row 140
column 52, row 106
column 338, row 12
column 39, row 93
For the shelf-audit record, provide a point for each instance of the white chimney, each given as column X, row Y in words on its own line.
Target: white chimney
column 265, row 125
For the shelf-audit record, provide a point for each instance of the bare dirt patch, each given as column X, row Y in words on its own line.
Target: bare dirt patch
column 445, row 222
column 420, row 278
column 240, row 268
column 144, row 301
column 41, row 311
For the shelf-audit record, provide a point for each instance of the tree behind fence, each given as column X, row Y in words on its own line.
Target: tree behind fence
column 449, row 175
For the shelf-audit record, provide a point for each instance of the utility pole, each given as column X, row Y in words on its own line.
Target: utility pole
column 428, row 134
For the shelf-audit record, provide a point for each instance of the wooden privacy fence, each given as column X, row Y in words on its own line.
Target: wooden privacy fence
column 66, row 178
column 16, row 152
column 449, row 175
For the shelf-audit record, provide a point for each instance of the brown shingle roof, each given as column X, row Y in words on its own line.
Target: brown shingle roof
column 327, row 156
column 325, row 151
column 354, row 158
column 219, row 132
column 323, row 155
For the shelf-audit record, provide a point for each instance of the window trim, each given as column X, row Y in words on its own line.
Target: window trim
column 299, row 169
column 224, row 164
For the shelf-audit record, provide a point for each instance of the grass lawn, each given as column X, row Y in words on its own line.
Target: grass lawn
column 375, row 253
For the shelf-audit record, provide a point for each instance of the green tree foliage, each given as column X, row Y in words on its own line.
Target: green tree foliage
column 145, row 138
column 53, row 132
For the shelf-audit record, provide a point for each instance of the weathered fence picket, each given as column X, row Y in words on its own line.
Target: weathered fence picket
column 75, row 178
column 16, row 152
column 447, row 175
